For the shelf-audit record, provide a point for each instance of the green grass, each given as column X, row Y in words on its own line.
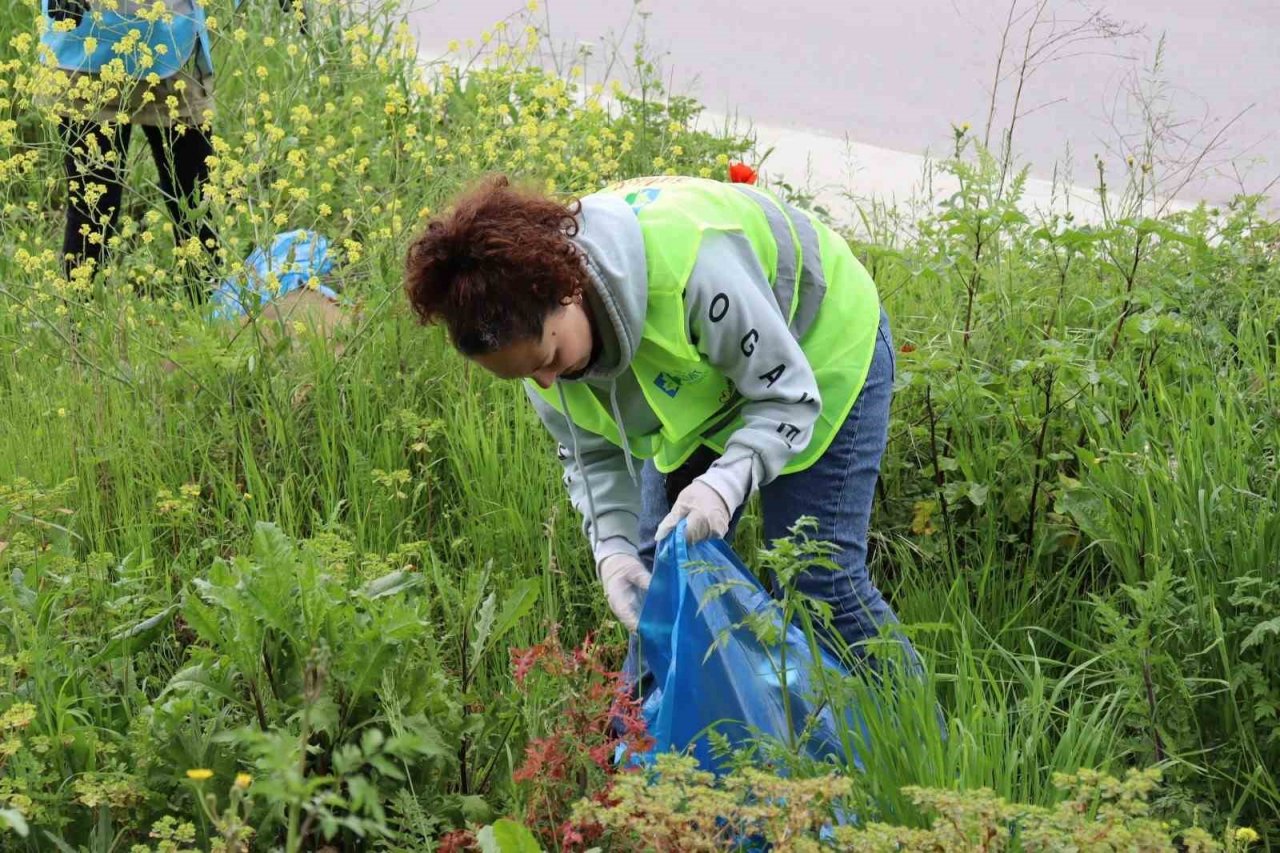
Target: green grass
column 1079, row 521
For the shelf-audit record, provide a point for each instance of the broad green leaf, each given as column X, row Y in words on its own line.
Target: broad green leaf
column 484, row 627
column 200, row 678
column 13, row 819
column 475, row 808
column 1165, row 231
column 391, row 583
column 202, row 619
column 125, row 641
column 271, row 546
column 507, row 836
column 516, row 606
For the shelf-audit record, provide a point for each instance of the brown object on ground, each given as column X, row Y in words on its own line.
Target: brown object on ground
column 310, row 309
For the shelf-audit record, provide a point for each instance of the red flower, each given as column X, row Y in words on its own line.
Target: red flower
column 457, row 841
column 600, row 754
column 741, row 173
column 570, row 834
column 545, row 758
column 522, row 661
column 907, row 348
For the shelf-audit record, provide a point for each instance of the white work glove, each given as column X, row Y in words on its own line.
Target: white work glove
column 625, row 581
column 707, row 513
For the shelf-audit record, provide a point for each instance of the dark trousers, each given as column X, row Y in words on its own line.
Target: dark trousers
column 94, row 158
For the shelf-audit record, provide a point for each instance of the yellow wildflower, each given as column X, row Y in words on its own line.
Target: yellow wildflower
column 200, row 774
column 243, row 780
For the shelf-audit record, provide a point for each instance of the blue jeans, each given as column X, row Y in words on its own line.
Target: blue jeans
column 838, row 491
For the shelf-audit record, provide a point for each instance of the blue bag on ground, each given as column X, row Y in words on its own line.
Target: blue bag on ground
column 709, row 669
column 295, row 257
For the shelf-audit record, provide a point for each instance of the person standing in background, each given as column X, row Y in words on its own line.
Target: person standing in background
column 130, row 63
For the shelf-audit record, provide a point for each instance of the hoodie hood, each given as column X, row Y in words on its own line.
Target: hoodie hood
column 612, row 245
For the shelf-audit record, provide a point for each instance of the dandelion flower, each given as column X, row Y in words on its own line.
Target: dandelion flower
column 1246, row 835
column 200, row 774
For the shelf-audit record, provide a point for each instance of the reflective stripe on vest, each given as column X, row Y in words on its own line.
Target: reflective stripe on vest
column 792, row 227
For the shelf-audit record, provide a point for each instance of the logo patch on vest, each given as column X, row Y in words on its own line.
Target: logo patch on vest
column 671, row 383
column 668, row 385
column 640, row 198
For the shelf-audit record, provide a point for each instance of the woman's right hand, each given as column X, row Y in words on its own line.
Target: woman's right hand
column 626, row 581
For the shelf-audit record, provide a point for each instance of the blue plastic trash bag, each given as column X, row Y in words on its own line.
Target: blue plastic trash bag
column 710, row 670
column 295, row 257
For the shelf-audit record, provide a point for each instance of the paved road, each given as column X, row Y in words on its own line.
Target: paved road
column 896, row 75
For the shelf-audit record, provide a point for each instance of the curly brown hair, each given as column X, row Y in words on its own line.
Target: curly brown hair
column 495, row 265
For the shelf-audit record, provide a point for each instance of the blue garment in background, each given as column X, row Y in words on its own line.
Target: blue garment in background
column 180, row 36
column 709, row 669
column 295, row 257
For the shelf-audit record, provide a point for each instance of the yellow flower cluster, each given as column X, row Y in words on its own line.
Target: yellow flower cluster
column 349, row 135
column 167, row 503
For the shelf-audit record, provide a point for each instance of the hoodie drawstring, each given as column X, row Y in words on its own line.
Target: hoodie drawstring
column 577, row 454
column 622, row 432
column 577, row 459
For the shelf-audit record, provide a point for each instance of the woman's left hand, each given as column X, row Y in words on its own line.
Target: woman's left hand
column 707, row 513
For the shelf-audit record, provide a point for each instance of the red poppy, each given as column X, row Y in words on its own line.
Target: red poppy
column 907, row 348
column 741, row 173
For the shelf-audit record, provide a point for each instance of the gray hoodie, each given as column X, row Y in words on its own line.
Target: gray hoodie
column 745, row 337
